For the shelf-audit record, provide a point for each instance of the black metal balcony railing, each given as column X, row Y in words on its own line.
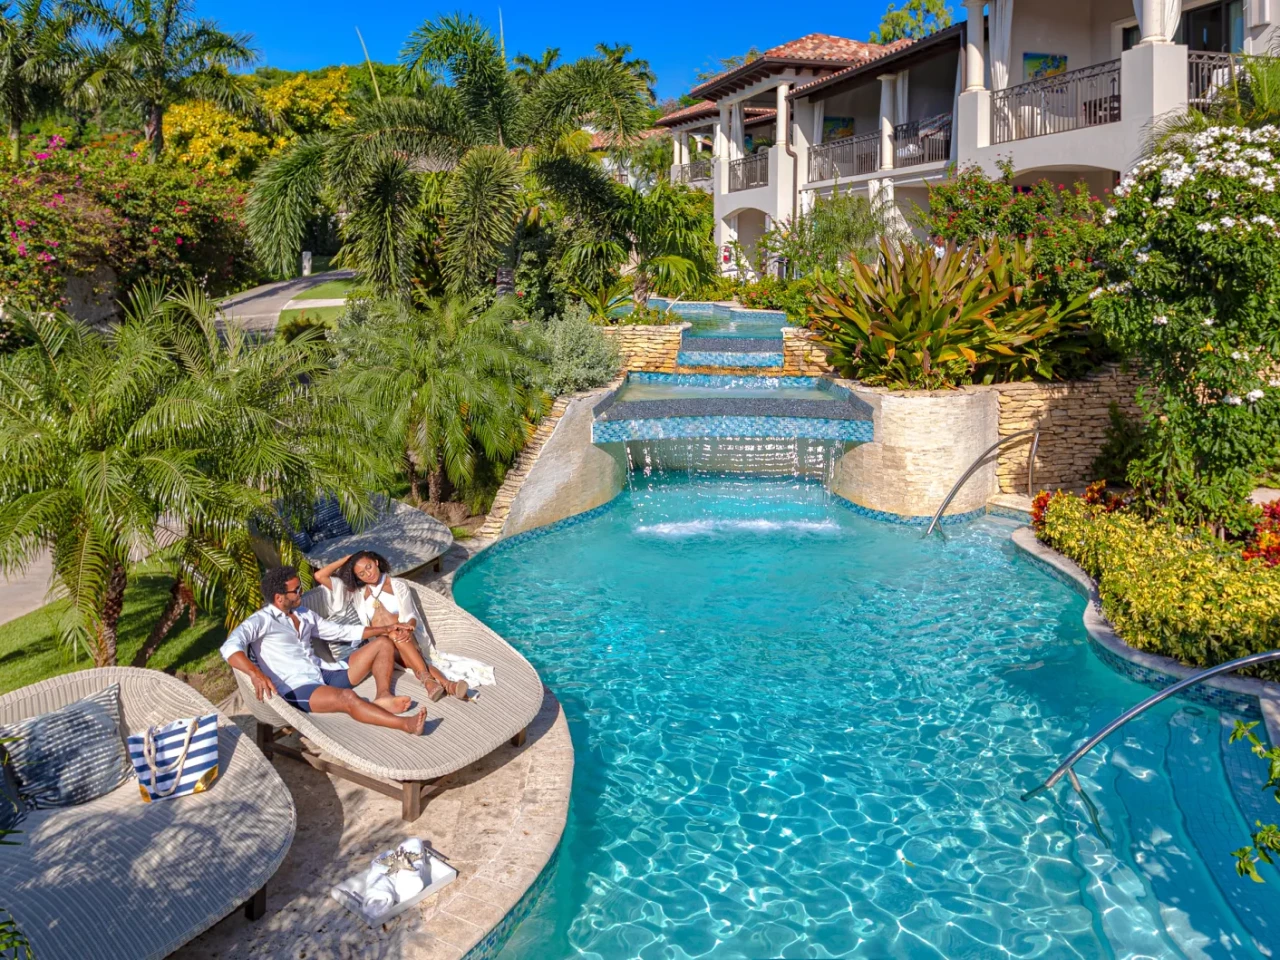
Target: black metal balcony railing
column 1209, row 75
column 846, row 157
column 694, row 171
column 1069, row 101
column 749, row 172
column 922, row 141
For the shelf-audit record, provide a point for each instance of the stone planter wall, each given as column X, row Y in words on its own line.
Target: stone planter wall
column 1074, row 416
column 651, row 348
column 923, row 441
column 802, row 356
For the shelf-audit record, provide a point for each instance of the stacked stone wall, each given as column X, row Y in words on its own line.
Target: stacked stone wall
column 1073, row 416
column 650, row 348
column 802, row 356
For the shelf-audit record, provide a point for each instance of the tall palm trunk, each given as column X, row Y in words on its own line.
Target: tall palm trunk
column 180, row 599
column 435, row 485
column 155, row 130
column 112, row 606
column 640, row 288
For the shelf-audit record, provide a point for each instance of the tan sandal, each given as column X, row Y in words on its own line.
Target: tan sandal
column 435, row 690
column 459, row 690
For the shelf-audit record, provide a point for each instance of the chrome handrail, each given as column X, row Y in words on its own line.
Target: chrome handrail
column 982, row 457
column 1229, row 667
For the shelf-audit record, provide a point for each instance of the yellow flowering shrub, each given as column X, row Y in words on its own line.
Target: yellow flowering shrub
column 1167, row 590
column 208, row 138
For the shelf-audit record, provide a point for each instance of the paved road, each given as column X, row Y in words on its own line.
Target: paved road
column 26, row 593
column 259, row 309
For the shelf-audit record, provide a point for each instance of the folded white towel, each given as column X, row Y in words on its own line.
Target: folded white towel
column 407, row 883
column 413, row 845
column 457, row 667
column 379, row 895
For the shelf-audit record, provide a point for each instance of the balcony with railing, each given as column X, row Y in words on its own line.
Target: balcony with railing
column 1068, row 101
column 922, row 141
column 1209, row 75
column 749, row 172
column 846, row 157
column 694, row 171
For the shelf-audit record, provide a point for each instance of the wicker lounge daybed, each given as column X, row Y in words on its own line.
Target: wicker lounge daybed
column 119, row 879
column 457, row 734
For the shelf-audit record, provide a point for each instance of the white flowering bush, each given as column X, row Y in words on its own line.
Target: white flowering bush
column 1193, row 293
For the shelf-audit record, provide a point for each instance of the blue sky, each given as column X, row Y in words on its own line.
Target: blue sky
column 674, row 35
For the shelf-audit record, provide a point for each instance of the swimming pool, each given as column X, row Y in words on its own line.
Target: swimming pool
column 665, row 386
column 803, row 733
column 722, row 321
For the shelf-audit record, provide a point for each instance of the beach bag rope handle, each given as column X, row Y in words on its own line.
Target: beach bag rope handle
column 149, row 751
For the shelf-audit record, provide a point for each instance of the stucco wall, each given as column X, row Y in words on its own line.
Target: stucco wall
column 924, row 441
column 801, row 356
column 652, row 348
column 1074, row 416
column 571, row 475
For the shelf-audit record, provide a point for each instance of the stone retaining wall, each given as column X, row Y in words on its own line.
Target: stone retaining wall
column 651, row 348
column 802, row 356
column 1076, row 414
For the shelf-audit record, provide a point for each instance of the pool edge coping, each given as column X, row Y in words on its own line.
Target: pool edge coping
column 1102, row 633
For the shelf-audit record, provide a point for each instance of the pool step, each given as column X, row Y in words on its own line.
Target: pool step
column 736, row 359
column 736, row 371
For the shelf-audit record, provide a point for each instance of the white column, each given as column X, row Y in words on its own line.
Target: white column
column 675, row 150
column 738, row 133
column 1151, row 21
column 887, row 81
column 721, row 137
column 975, row 68
column 780, row 133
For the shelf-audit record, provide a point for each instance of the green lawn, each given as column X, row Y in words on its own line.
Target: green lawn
column 30, row 650
column 329, row 290
column 318, row 314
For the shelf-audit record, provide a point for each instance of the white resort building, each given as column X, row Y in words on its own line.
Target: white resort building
column 1065, row 91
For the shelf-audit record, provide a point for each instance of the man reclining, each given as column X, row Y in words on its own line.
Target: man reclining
column 273, row 648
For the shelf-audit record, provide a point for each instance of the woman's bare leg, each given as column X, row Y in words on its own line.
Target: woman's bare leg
column 377, row 657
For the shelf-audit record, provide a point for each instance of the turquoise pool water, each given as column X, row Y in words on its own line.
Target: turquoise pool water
column 802, row 733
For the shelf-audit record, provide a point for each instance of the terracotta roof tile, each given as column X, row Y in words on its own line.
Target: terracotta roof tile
column 887, row 50
column 708, row 108
column 823, row 46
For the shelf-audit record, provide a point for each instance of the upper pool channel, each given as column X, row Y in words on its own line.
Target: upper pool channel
column 800, row 732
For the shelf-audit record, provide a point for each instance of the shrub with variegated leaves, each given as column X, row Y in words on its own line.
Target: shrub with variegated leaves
column 1193, row 293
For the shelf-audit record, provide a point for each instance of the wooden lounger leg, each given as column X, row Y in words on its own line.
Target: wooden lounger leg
column 264, row 736
column 437, row 565
column 519, row 739
column 256, row 905
column 411, row 799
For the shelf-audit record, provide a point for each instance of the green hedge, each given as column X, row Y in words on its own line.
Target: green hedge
column 1167, row 590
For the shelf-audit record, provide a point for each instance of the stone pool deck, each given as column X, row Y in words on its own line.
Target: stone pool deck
column 498, row 822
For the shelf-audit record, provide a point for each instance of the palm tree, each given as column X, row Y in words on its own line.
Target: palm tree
column 37, row 48
column 663, row 237
column 434, row 183
column 159, row 54
column 640, row 69
column 528, row 71
column 452, row 383
column 156, row 438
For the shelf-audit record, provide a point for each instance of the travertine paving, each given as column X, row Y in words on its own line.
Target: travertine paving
column 497, row 822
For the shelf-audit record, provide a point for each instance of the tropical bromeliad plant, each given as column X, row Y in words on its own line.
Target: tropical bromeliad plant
column 932, row 318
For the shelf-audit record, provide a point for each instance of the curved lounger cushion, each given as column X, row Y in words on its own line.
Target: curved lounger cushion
column 457, row 733
column 119, row 878
column 408, row 538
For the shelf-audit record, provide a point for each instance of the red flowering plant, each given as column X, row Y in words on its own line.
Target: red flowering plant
column 1264, row 543
column 99, row 211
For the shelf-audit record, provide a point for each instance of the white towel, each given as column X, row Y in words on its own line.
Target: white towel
column 456, row 667
column 413, row 845
column 379, row 895
column 407, row 883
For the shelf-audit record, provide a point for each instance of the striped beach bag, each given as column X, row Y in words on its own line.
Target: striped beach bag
column 176, row 759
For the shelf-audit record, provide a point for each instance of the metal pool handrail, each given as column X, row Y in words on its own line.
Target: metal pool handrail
column 1031, row 470
column 1143, row 707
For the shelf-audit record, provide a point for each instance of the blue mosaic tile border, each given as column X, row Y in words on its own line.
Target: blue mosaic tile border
column 491, row 943
column 730, row 380
column 1009, row 513
column 682, row 428
column 707, row 358
column 704, row 308
column 902, row 520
